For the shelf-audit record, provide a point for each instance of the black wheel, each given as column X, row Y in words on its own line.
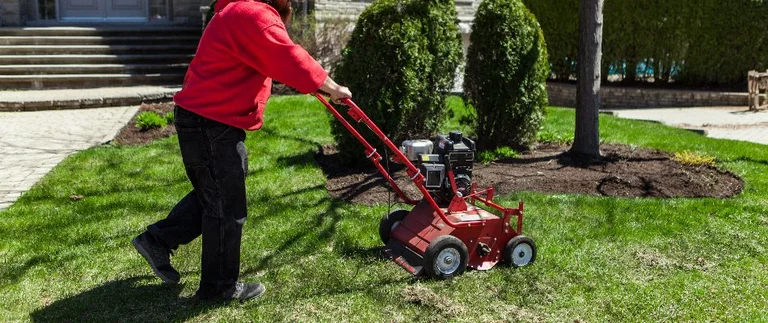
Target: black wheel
column 445, row 257
column 520, row 251
column 389, row 222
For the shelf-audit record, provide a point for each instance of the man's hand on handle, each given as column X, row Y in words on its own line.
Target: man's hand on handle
column 337, row 92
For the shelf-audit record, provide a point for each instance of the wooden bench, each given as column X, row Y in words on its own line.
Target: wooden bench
column 757, row 81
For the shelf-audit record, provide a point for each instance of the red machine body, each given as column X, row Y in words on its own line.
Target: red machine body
column 443, row 241
column 423, row 225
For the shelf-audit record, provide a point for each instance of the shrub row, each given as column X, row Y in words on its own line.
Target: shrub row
column 694, row 42
column 402, row 59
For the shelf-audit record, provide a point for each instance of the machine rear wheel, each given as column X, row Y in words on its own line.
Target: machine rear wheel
column 389, row 222
column 446, row 257
column 520, row 251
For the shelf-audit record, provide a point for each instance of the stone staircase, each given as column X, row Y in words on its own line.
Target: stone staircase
column 89, row 57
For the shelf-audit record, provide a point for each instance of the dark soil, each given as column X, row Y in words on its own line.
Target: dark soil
column 623, row 172
column 130, row 135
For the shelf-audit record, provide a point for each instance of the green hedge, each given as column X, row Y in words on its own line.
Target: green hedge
column 506, row 74
column 693, row 42
column 400, row 64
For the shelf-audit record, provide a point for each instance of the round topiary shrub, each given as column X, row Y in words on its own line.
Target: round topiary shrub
column 505, row 76
column 400, row 64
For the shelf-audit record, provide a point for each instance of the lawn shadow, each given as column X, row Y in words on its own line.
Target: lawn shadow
column 123, row 300
column 743, row 112
column 270, row 132
column 322, row 228
column 752, row 160
column 367, row 255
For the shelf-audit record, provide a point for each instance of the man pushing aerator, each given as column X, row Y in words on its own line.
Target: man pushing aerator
column 225, row 90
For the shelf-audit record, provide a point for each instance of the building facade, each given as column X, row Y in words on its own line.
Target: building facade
column 165, row 12
column 24, row 13
column 133, row 51
column 350, row 9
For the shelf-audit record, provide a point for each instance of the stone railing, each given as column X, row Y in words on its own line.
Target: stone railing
column 756, row 81
column 204, row 14
column 563, row 94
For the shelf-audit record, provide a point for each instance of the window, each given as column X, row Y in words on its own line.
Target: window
column 158, row 10
column 46, row 9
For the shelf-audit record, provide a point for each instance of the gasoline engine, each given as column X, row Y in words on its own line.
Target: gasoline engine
column 436, row 158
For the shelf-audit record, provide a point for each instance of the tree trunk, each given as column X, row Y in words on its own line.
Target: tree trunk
column 587, row 138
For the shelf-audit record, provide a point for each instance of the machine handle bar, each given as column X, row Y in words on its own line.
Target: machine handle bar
column 358, row 115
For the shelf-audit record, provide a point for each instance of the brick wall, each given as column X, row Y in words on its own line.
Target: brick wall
column 621, row 97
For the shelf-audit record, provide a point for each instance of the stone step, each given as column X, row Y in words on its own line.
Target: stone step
column 87, row 57
column 86, row 80
column 100, row 31
column 42, row 69
column 95, row 59
column 35, row 100
column 95, row 49
column 98, row 40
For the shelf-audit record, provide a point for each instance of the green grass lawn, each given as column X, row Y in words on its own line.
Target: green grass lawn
column 599, row 259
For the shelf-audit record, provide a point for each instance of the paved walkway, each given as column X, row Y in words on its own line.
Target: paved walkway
column 32, row 143
column 737, row 123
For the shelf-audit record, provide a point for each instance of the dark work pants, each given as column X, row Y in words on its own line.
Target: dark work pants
column 216, row 163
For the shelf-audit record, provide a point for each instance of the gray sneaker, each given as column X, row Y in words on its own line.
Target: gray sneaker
column 241, row 291
column 157, row 256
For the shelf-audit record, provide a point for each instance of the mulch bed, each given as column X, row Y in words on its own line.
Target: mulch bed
column 624, row 172
column 130, row 135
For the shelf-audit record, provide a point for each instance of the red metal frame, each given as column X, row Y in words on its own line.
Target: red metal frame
column 458, row 204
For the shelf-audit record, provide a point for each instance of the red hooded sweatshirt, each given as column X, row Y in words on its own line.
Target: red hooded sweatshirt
column 242, row 49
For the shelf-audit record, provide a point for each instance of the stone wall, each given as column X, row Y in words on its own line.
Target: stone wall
column 187, row 12
column 350, row 9
column 561, row 94
column 466, row 9
column 340, row 9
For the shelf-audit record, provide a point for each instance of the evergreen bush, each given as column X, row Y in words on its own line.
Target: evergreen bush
column 506, row 73
column 399, row 64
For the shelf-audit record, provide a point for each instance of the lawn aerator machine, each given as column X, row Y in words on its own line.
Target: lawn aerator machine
column 446, row 231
